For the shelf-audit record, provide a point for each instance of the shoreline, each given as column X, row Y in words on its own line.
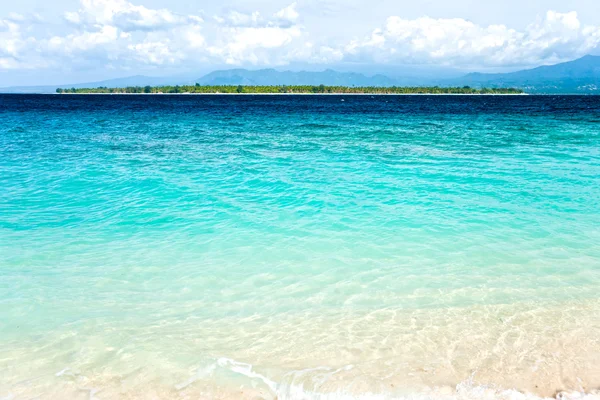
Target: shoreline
column 289, row 94
column 398, row 369
column 259, row 387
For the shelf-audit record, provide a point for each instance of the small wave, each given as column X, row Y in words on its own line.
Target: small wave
column 460, row 392
column 246, row 370
column 289, row 389
column 17, row 129
column 317, row 126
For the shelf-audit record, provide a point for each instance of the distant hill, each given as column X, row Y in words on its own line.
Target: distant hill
column 228, row 77
column 579, row 76
column 137, row 80
column 273, row 77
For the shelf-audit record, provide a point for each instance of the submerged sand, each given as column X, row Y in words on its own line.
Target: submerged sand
column 529, row 350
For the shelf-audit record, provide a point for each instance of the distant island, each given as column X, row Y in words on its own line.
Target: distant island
column 286, row 89
column 581, row 76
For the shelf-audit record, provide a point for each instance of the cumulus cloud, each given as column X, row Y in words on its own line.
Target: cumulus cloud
column 113, row 32
column 256, row 45
column 284, row 18
column 14, row 43
column 254, row 39
column 9, row 37
column 84, row 41
column 287, row 16
column 239, row 19
column 155, row 52
column 20, row 18
column 121, row 34
column 130, row 34
column 126, row 16
column 459, row 42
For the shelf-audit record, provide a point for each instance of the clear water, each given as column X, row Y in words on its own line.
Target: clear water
column 298, row 247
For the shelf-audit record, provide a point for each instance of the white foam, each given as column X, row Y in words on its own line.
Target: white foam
column 246, row 370
column 63, row 371
column 201, row 373
column 463, row 391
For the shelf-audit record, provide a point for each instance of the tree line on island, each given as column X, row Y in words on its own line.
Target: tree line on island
column 300, row 89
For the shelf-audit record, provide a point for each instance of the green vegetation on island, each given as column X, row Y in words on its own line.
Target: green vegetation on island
column 299, row 89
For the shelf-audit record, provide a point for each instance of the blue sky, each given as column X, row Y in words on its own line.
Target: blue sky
column 68, row 41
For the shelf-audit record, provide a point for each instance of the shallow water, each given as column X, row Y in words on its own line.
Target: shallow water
column 299, row 247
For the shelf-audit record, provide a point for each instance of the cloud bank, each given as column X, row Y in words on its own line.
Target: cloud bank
column 459, row 42
column 122, row 35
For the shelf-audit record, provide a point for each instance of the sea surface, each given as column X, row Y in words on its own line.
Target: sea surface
column 299, row 247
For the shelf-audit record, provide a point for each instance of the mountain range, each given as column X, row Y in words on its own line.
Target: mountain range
column 578, row 76
column 274, row 77
column 581, row 76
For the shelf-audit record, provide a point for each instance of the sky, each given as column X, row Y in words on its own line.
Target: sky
column 71, row 41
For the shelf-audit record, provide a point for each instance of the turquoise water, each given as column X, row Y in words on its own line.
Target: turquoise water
column 298, row 246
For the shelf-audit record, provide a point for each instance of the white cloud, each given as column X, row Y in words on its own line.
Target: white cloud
column 255, row 45
column 120, row 34
column 459, row 42
column 157, row 53
column 29, row 18
column 249, row 38
column 284, row 18
column 104, row 32
column 126, row 16
column 287, row 16
column 121, row 31
column 12, row 42
column 235, row 18
column 85, row 41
